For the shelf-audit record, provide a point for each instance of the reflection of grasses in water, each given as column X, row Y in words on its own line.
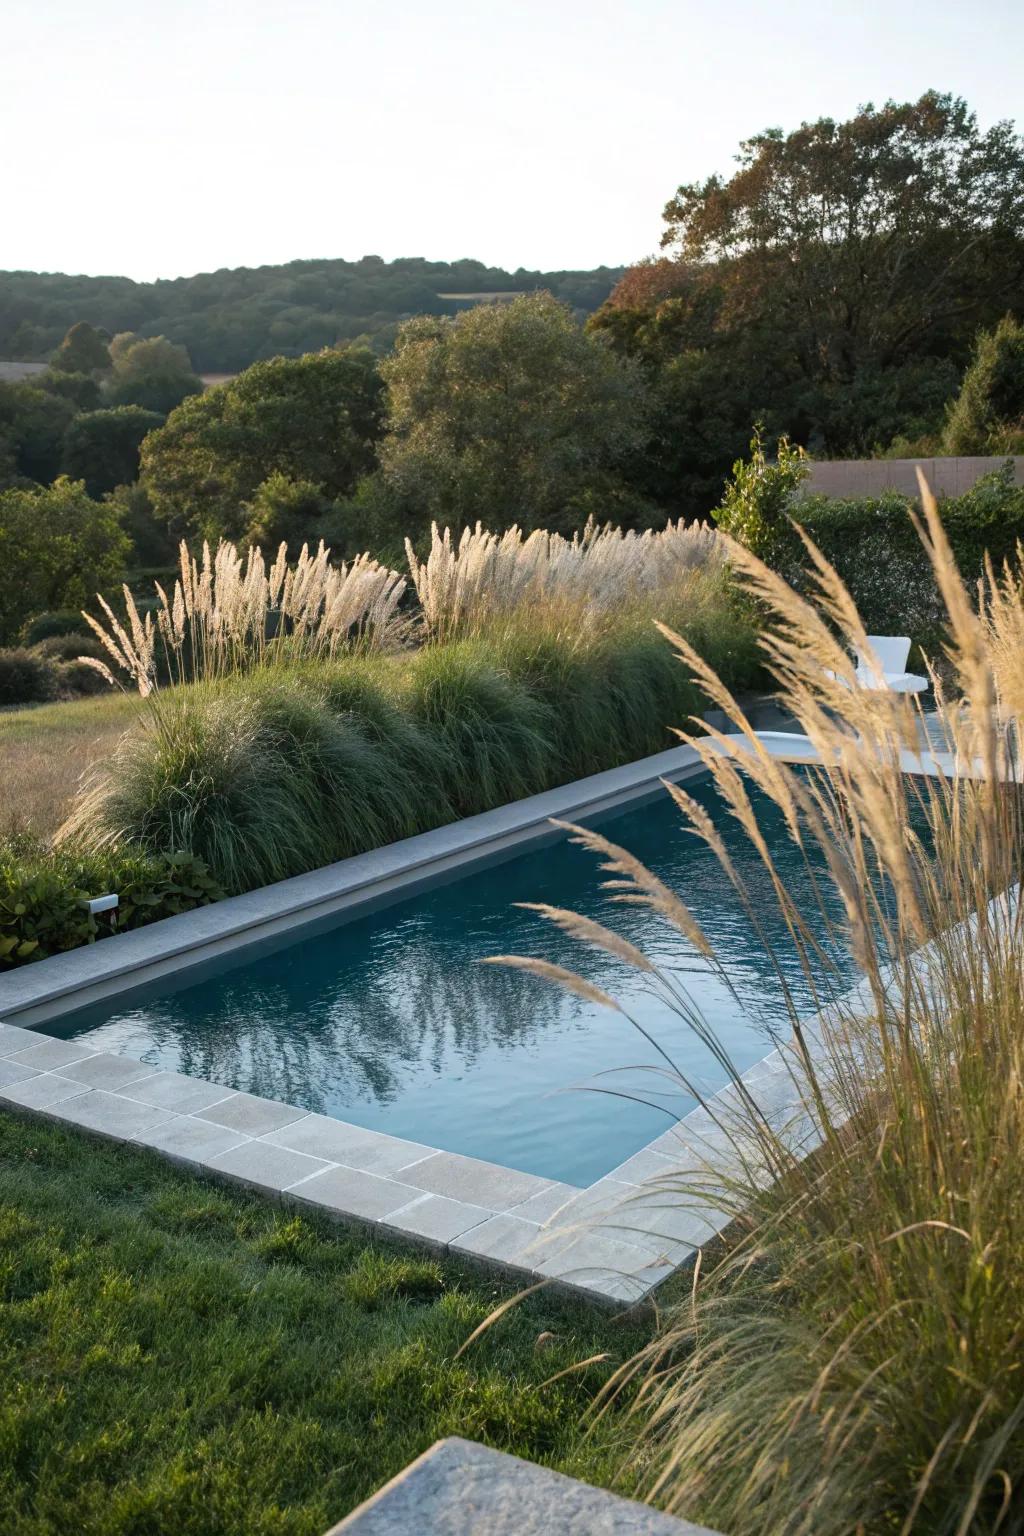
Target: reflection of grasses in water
column 850, row 1358
column 271, row 1043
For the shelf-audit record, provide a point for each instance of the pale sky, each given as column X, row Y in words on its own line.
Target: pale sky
column 158, row 138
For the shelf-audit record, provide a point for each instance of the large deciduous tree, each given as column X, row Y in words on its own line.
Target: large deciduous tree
column 510, row 413
column 150, row 372
column 839, row 275
column 313, row 419
column 83, row 350
column 102, row 447
column 58, row 547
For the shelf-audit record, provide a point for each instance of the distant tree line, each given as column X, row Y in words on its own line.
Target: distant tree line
column 231, row 318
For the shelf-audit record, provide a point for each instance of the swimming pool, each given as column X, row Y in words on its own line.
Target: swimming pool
column 387, row 1020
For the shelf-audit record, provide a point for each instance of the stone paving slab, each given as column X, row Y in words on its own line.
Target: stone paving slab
column 187, row 1140
column 350, row 1192
column 173, row 1090
column 352, row 1145
column 13, row 1039
column 41, row 1091
column 506, row 1240
column 546, row 1205
column 263, row 1166
column 477, row 1182
column 250, row 1114
column 50, row 1055
column 109, row 1113
column 605, row 1263
column 459, row 1488
column 14, row 1072
column 110, row 1072
column 437, row 1219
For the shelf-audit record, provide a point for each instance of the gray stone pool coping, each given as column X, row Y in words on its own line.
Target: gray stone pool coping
column 614, row 1242
column 459, row 1488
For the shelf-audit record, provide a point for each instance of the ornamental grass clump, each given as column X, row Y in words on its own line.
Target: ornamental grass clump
column 304, row 723
column 470, row 587
column 850, row 1358
column 228, row 615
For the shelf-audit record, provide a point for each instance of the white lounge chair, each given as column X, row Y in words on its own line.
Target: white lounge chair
column 884, row 666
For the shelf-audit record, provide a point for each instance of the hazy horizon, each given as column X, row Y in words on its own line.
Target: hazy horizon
column 165, row 144
column 286, row 260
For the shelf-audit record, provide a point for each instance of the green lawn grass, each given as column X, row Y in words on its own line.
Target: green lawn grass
column 178, row 1357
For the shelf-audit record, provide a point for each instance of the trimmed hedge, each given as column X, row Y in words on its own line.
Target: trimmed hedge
column 43, row 893
column 873, row 545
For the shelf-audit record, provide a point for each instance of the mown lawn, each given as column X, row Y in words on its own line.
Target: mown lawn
column 178, row 1357
column 45, row 749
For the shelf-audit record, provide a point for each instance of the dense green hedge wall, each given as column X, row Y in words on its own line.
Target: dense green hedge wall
column 872, row 542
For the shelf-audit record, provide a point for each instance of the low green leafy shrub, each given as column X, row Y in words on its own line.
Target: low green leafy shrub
column 27, row 678
column 69, row 647
column 756, row 507
column 73, row 676
column 63, row 621
column 43, row 893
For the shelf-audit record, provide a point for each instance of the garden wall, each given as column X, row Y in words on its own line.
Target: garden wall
column 867, row 477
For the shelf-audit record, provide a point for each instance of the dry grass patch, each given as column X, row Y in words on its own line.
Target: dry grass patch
column 45, row 750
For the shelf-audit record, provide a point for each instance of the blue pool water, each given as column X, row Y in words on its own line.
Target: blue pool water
column 389, row 1020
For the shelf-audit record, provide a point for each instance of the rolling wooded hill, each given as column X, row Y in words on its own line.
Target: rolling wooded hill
column 228, row 319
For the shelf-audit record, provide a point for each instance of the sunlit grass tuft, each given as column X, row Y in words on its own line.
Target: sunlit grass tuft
column 852, row 1359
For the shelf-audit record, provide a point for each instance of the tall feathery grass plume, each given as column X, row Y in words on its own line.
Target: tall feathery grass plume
column 466, row 588
column 230, row 613
column 851, row 1356
column 218, row 658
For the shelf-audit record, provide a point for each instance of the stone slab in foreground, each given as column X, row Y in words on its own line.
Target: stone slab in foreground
column 458, row 1488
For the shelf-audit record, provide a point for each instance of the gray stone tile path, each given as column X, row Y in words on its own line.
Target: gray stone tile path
column 614, row 1242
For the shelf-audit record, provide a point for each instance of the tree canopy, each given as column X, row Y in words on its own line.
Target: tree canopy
column 32, row 426
column 836, row 279
column 150, row 372
column 990, row 406
column 58, row 548
column 509, row 414
column 313, row 419
column 102, row 447
column 83, row 350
